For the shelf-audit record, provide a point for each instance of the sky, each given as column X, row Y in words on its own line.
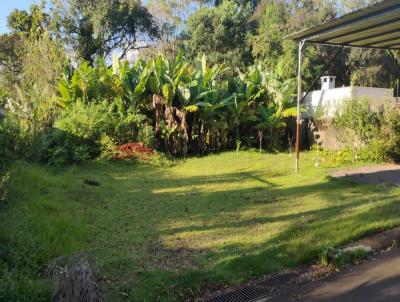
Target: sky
column 7, row 6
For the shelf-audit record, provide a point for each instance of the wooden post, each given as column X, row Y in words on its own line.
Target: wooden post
column 298, row 120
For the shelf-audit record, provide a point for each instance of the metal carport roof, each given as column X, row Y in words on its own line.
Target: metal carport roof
column 377, row 26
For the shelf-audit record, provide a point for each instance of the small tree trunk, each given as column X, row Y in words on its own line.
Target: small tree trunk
column 158, row 104
column 237, row 139
column 183, row 134
column 201, row 138
column 260, row 138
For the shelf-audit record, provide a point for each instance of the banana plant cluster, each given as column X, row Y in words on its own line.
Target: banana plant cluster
column 191, row 106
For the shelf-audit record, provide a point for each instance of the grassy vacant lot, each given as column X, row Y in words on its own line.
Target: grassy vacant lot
column 168, row 232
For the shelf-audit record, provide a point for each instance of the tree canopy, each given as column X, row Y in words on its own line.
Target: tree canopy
column 222, row 32
column 97, row 28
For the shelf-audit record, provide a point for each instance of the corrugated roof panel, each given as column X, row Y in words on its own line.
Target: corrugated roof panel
column 354, row 30
column 394, row 42
column 378, row 39
column 362, row 31
column 346, row 18
column 357, row 30
column 365, row 39
column 370, row 27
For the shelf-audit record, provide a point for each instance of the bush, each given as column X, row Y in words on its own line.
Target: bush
column 10, row 136
column 387, row 142
column 356, row 122
column 338, row 258
column 83, row 131
column 146, row 135
column 10, row 139
column 369, row 135
column 60, row 147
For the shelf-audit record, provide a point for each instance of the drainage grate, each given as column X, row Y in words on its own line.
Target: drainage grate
column 270, row 285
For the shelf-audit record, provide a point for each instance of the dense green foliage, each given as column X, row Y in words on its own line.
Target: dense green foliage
column 9, row 150
column 368, row 133
column 84, row 131
column 177, row 107
column 222, row 33
column 277, row 19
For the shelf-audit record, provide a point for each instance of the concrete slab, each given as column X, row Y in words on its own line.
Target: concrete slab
column 378, row 280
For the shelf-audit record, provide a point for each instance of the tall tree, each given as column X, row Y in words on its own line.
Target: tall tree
column 170, row 17
column 277, row 19
column 33, row 21
column 222, row 32
column 23, row 25
column 251, row 3
column 267, row 43
column 97, row 28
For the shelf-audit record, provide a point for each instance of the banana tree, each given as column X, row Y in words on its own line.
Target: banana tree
column 268, row 120
column 89, row 84
column 163, row 83
column 248, row 90
column 132, row 79
column 282, row 93
column 281, row 105
column 204, row 97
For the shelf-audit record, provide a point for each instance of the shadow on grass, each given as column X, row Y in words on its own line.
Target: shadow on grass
column 158, row 234
column 176, row 210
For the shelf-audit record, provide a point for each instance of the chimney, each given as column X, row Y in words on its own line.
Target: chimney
column 328, row 82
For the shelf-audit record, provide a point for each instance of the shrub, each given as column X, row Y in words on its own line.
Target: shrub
column 146, row 135
column 356, row 122
column 60, row 147
column 77, row 133
column 86, row 130
column 338, row 258
column 9, row 139
column 370, row 135
column 9, row 148
column 388, row 141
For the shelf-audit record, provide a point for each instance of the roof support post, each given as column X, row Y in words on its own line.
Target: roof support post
column 299, row 97
column 395, row 61
column 398, row 72
column 326, row 67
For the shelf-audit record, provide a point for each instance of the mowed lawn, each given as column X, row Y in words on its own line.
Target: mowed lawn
column 169, row 232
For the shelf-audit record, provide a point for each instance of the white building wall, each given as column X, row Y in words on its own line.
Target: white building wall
column 324, row 103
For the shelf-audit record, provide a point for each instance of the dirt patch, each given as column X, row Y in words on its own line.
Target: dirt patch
column 388, row 174
column 173, row 259
column 380, row 241
column 132, row 150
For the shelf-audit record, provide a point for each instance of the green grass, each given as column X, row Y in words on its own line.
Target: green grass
column 169, row 232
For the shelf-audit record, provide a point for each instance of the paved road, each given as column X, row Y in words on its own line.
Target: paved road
column 378, row 280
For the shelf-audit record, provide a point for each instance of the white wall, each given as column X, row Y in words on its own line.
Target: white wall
column 324, row 103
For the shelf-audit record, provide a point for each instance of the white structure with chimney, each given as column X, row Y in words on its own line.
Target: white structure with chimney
column 324, row 102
